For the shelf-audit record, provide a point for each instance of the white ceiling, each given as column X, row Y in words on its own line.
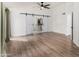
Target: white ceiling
column 29, row 4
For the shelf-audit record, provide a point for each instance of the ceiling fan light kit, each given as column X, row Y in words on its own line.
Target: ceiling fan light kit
column 41, row 8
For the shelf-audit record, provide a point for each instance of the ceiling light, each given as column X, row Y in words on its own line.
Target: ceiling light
column 42, row 8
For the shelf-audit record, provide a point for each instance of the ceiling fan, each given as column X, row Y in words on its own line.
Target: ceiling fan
column 43, row 5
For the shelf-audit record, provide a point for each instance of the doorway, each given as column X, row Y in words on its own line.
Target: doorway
column 70, row 25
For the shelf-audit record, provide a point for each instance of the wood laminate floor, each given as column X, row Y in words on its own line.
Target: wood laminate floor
column 42, row 45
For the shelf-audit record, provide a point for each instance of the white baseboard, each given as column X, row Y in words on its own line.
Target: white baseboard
column 77, row 44
column 58, row 32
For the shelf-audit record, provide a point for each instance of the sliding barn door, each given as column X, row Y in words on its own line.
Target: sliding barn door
column 21, row 24
column 29, row 24
column 45, row 24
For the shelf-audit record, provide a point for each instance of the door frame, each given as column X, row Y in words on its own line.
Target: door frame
column 72, row 27
column 7, row 25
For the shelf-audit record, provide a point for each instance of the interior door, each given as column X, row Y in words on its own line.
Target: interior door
column 69, row 25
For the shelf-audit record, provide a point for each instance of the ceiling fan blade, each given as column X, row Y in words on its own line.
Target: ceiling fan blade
column 48, row 8
column 47, row 5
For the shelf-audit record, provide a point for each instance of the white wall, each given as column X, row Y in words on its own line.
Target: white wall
column 59, row 20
